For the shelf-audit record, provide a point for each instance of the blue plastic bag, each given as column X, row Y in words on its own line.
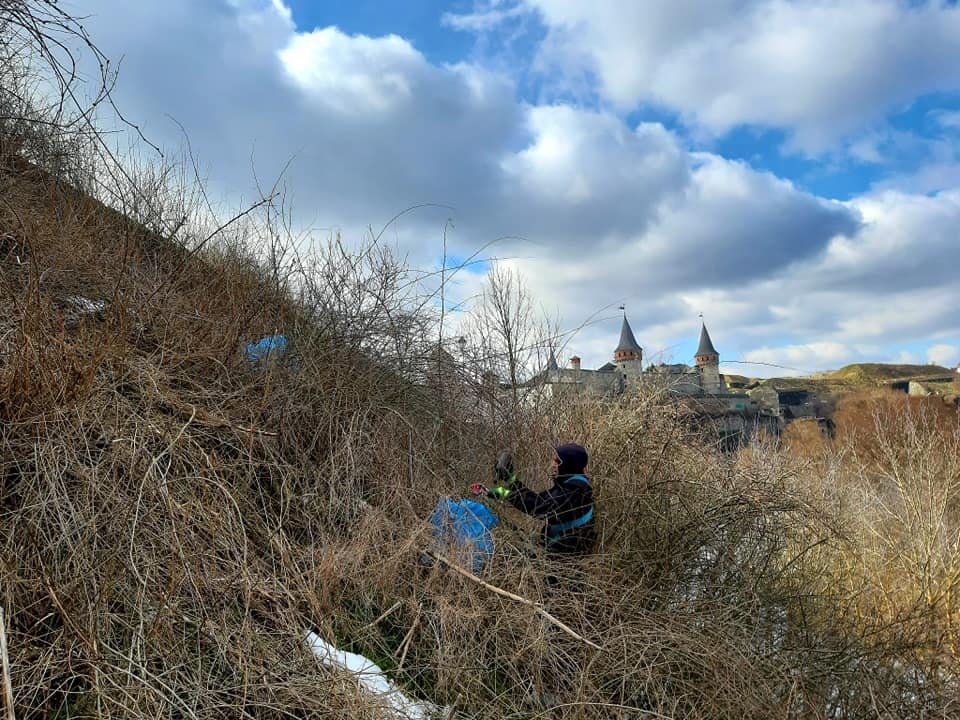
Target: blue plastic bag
column 461, row 529
column 268, row 348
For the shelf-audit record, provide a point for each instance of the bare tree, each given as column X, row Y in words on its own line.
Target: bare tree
column 512, row 337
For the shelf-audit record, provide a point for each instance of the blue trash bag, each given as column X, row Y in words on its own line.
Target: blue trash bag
column 461, row 530
column 268, row 348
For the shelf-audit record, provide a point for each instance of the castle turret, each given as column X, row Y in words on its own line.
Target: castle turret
column 708, row 363
column 628, row 349
column 629, row 355
column 552, row 362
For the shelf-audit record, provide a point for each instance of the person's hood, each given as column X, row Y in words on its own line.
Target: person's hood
column 573, row 459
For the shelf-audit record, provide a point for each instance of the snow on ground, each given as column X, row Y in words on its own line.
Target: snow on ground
column 371, row 677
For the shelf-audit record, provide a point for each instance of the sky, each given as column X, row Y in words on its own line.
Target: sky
column 788, row 169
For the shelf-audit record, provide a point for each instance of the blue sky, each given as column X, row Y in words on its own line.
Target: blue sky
column 419, row 21
column 425, row 24
column 789, row 168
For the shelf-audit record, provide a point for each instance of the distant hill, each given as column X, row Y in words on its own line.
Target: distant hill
column 825, row 389
column 856, row 376
column 880, row 373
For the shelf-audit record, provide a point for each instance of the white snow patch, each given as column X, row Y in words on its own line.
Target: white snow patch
column 371, row 677
column 86, row 306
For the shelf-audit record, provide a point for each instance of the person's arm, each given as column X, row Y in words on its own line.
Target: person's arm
column 548, row 502
column 520, row 496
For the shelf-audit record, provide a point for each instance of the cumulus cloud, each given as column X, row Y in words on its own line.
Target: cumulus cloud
column 905, row 242
column 729, row 228
column 354, row 75
column 945, row 355
column 608, row 211
column 930, row 177
column 820, row 69
column 735, row 224
column 948, row 119
column 864, row 297
column 873, row 288
column 373, row 127
column 929, row 163
column 367, row 125
column 806, row 358
column 585, row 174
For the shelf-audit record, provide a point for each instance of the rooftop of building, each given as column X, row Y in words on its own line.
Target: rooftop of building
column 706, row 344
column 627, row 342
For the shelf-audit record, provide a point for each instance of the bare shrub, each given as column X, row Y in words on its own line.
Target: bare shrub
column 173, row 517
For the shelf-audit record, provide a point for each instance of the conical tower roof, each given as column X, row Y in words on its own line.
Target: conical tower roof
column 706, row 344
column 552, row 362
column 627, row 341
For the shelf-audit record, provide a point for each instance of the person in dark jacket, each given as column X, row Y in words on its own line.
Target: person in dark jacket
column 567, row 507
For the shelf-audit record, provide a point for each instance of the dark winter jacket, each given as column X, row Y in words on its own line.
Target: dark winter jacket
column 568, row 509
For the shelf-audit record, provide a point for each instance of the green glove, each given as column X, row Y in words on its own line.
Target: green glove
column 499, row 492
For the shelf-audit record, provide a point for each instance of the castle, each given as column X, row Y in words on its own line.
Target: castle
column 702, row 381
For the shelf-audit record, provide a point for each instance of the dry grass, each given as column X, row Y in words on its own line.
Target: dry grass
column 172, row 519
column 893, row 479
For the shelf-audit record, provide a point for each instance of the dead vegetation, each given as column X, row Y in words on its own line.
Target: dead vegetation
column 173, row 518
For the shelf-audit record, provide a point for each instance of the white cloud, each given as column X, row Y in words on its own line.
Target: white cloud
column 931, row 162
column 863, row 297
column 735, row 224
column 264, row 24
column 804, row 359
column 908, row 241
column 586, row 174
column 818, row 68
column 373, row 127
column 354, row 75
column 905, row 357
column 944, row 355
column 368, row 126
column 728, row 227
column 609, row 212
column 948, row 119
column 487, row 17
column 929, row 178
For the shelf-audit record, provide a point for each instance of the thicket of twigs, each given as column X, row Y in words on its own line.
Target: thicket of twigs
column 173, row 518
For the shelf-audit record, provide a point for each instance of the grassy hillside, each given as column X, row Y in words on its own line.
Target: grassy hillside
column 876, row 373
column 175, row 518
column 827, row 389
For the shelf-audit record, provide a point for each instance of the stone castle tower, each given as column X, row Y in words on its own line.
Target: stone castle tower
column 626, row 373
column 629, row 355
column 708, row 363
